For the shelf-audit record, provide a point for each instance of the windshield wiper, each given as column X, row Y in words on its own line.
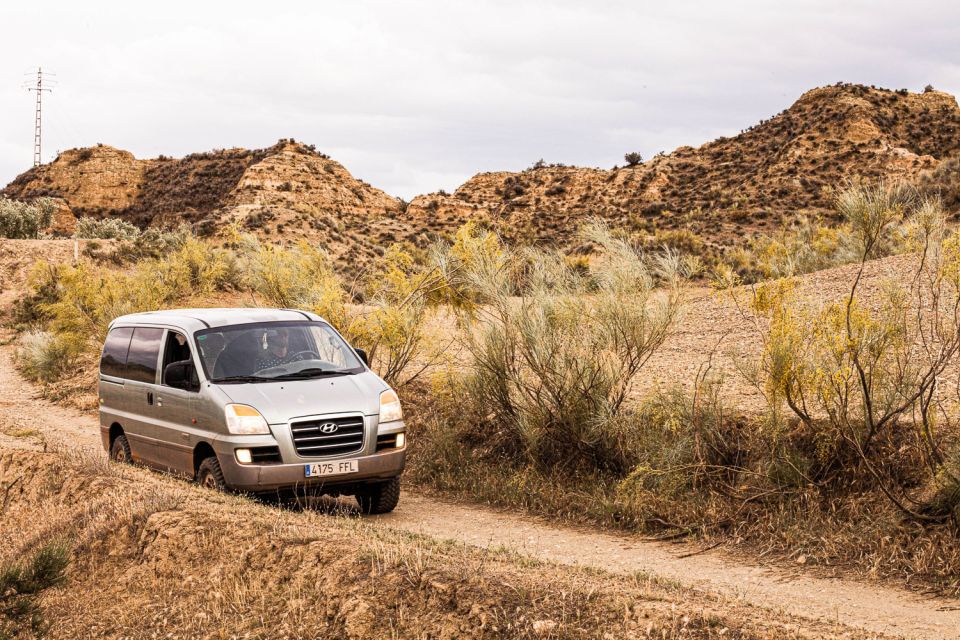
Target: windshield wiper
column 241, row 379
column 306, row 374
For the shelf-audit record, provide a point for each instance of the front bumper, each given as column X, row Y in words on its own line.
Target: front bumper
column 373, row 465
column 259, row 478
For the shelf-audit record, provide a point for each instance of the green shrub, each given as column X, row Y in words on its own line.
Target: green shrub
column 25, row 220
column 195, row 268
column 398, row 295
column 43, row 356
column 134, row 244
column 22, row 584
column 105, row 229
column 29, row 310
column 686, row 448
column 154, row 243
column 300, row 275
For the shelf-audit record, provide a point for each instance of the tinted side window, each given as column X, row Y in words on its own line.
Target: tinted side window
column 143, row 355
column 114, row 358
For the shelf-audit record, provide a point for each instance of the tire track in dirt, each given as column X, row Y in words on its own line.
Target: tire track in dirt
column 872, row 608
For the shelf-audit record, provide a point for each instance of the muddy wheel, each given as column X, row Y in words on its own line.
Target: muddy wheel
column 380, row 498
column 209, row 475
column 120, row 450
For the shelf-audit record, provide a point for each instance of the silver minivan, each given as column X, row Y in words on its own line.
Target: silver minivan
column 265, row 401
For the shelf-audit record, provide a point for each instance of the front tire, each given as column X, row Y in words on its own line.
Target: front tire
column 120, row 450
column 210, row 475
column 379, row 498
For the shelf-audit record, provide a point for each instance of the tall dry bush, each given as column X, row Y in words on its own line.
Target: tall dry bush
column 44, row 356
column 384, row 313
column 862, row 378
column 399, row 295
column 553, row 352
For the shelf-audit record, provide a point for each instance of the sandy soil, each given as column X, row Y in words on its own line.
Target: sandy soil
column 864, row 607
column 712, row 324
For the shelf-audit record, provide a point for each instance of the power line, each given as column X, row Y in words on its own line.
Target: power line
column 42, row 77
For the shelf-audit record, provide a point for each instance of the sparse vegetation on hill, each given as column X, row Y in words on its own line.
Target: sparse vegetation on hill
column 728, row 189
column 286, row 192
column 722, row 193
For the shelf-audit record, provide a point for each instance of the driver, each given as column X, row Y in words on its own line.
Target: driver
column 276, row 353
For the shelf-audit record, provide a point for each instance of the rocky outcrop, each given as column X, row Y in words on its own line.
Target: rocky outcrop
column 789, row 164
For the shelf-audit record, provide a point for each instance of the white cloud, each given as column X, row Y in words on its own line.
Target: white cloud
column 417, row 96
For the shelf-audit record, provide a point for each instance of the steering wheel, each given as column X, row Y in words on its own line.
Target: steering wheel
column 306, row 352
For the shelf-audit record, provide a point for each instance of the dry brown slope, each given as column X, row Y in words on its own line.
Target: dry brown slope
column 284, row 193
column 745, row 183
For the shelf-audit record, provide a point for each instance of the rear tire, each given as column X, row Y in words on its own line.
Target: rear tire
column 210, row 475
column 120, row 450
column 379, row 498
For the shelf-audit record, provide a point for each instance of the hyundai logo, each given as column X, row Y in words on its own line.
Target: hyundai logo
column 329, row 427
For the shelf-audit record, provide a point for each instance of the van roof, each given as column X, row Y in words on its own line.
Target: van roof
column 197, row 319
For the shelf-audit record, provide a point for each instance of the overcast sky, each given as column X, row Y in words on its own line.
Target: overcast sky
column 418, row 96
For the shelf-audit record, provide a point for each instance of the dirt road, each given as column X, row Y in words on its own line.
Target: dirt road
column 870, row 608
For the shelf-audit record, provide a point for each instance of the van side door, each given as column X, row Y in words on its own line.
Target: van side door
column 117, row 404
column 140, row 388
column 176, row 402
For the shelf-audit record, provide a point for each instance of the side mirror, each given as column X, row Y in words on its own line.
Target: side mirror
column 363, row 356
column 181, row 375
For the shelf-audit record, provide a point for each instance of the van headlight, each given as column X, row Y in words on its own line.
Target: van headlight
column 390, row 407
column 244, row 419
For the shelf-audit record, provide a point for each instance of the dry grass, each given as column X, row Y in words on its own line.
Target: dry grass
column 151, row 556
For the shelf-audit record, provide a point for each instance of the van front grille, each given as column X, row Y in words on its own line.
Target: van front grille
column 328, row 436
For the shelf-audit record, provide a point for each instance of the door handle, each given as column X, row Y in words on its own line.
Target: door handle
column 149, row 397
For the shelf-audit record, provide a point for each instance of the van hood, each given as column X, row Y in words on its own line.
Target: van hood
column 284, row 400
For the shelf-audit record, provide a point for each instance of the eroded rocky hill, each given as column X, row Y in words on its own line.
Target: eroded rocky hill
column 288, row 191
column 789, row 164
column 724, row 190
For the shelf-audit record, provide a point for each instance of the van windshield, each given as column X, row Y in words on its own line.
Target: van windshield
column 271, row 351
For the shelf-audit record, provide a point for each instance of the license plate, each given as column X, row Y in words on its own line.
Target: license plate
column 334, row 468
